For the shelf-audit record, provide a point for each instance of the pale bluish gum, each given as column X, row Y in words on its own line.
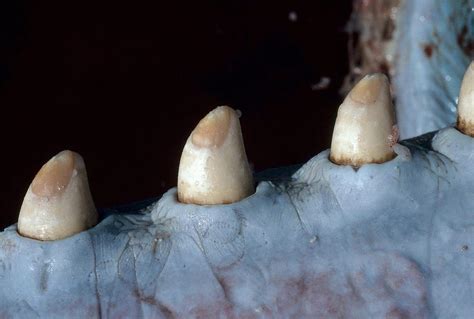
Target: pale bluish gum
column 465, row 122
column 214, row 168
column 365, row 128
column 58, row 203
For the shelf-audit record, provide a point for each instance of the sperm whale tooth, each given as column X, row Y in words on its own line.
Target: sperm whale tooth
column 365, row 129
column 213, row 168
column 465, row 121
column 58, row 203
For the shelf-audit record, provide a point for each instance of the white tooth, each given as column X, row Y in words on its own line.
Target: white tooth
column 466, row 103
column 58, row 203
column 213, row 168
column 365, row 129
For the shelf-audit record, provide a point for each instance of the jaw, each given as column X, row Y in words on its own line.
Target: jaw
column 383, row 240
column 322, row 240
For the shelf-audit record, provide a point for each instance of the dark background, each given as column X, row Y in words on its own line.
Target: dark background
column 124, row 85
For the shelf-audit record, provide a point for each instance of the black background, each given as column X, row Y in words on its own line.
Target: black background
column 124, row 85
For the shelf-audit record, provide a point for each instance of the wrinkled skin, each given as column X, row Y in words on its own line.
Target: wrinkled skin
column 392, row 240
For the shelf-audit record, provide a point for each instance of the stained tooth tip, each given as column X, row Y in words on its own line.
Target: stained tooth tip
column 54, row 176
column 212, row 130
column 367, row 90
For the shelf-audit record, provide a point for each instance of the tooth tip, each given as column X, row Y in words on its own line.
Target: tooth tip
column 368, row 88
column 55, row 175
column 465, row 122
column 58, row 203
column 212, row 130
column 365, row 129
column 213, row 168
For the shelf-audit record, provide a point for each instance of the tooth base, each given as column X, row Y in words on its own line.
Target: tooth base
column 466, row 127
column 214, row 177
column 40, row 221
column 362, row 135
column 357, row 162
column 207, row 199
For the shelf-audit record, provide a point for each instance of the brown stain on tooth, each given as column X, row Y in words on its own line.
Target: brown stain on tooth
column 182, row 198
column 366, row 92
column 393, row 138
column 54, row 176
column 212, row 130
column 360, row 162
column 466, row 127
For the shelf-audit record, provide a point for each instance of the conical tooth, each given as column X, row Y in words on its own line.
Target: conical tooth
column 213, row 168
column 466, row 103
column 365, row 129
column 58, row 203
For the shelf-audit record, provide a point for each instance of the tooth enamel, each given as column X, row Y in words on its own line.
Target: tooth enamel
column 213, row 168
column 365, row 129
column 466, row 103
column 58, row 203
